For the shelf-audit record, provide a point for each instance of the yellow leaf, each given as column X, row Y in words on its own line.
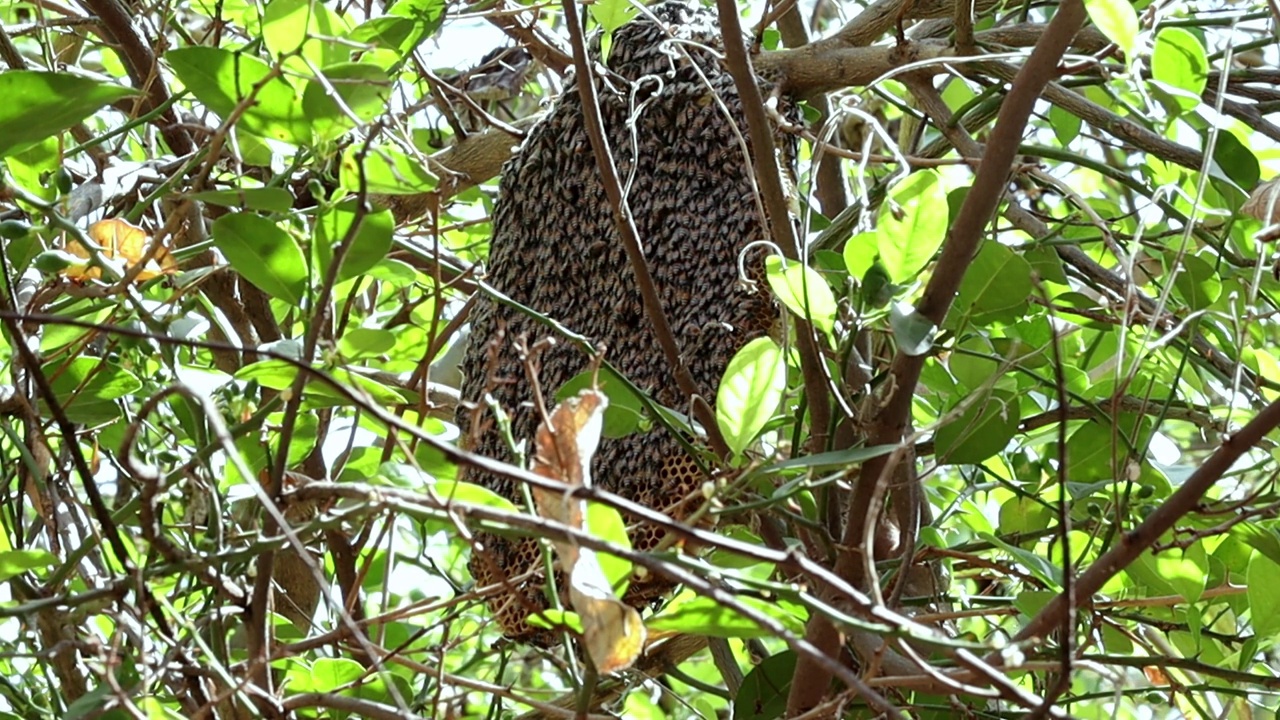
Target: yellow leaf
column 121, row 241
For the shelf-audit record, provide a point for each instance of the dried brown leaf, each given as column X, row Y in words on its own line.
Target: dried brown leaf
column 612, row 631
column 1264, row 202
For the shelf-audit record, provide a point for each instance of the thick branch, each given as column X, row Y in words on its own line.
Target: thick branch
column 1107, row 121
column 810, row 681
column 464, row 165
column 140, row 62
column 818, row 68
column 777, row 212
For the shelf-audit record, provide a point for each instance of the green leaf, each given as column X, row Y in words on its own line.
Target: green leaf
column 763, row 694
column 88, row 388
column 1179, row 62
column 1236, row 161
column 364, row 90
column 704, row 616
column 972, row 364
column 266, row 199
column 1090, row 452
column 875, row 288
column 293, row 27
column 607, row 524
column 983, row 430
column 38, row 105
column 913, row 331
column 1031, row 602
column 999, row 279
column 625, row 412
column 303, row 441
column 323, row 395
column 272, row 374
column 366, row 342
column 913, row 223
column 1263, row 592
column 1263, row 539
column 369, row 245
column 263, row 254
column 859, row 254
column 16, row 562
column 222, row 80
column 803, row 291
column 324, row 675
column 1022, row 514
column 1066, row 125
column 428, row 13
column 611, row 14
column 1184, row 570
column 556, row 619
column 750, row 392
column 1047, row 572
column 407, row 476
column 387, row 171
column 1117, row 20
column 829, row 460
column 399, row 34
column 470, row 494
column 1197, row 283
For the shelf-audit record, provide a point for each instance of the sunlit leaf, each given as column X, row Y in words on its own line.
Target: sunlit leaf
column 347, row 95
column 304, row 29
column 224, row 80
column 1263, row 591
column 366, row 342
column 705, row 616
column 859, row 253
column 369, row 244
column 1179, row 62
column 1066, row 125
column 386, row 170
column 912, row 225
column 41, row 104
column 803, row 291
column 16, row 562
column 750, row 392
column 1117, row 20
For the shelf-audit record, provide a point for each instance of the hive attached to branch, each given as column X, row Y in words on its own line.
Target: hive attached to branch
column 675, row 125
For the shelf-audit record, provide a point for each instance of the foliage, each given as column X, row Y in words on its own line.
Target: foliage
column 244, row 381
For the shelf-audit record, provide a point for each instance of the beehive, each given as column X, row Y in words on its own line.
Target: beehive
column 675, row 125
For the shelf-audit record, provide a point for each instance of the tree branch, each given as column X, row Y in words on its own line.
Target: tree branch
column 1132, row 543
column 141, row 64
column 777, row 212
column 810, row 682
